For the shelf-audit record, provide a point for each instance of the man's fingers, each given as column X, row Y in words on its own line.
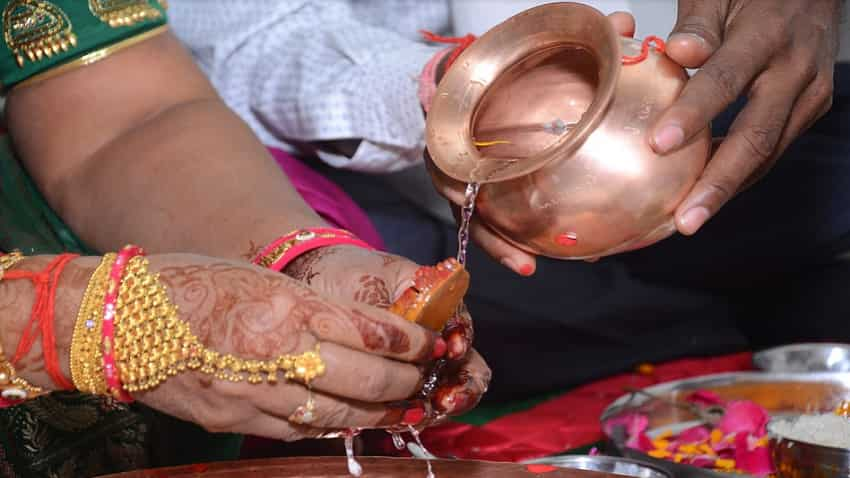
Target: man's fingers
column 711, row 90
column 750, row 145
column 812, row 104
column 698, row 33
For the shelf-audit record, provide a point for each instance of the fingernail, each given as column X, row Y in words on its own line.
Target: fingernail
column 693, row 219
column 458, row 347
column 414, row 416
column 668, row 138
column 440, row 348
column 687, row 38
column 526, row 270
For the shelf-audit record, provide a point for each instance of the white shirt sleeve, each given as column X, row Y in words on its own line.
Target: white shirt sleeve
column 299, row 71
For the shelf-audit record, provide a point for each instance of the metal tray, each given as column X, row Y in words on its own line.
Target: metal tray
column 804, row 358
column 780, row 394
column 605, row 464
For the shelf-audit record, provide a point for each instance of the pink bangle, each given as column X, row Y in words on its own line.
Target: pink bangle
column 277, row 255
column 113, row 381
column 428, row 79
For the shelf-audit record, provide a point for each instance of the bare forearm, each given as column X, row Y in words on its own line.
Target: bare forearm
column 192, row 179
column 138, row 148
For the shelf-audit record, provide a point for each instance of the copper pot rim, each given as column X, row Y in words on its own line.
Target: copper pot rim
column 463, row 170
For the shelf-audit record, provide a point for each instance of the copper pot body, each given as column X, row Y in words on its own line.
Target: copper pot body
column 543, row 114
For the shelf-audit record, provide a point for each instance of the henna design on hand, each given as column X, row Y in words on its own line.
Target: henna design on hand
column 254, row 249
column 234, row 306
column 302, row 268
column 390, row 259
column 373, row 291
column 255, row 313
column 379, row 335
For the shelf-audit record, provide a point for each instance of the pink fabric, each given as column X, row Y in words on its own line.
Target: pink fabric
column 328, row 200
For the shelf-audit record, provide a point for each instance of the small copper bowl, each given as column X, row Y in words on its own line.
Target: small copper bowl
column 541, row 112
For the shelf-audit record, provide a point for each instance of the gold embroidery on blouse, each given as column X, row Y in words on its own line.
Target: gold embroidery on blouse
column 36, row 29
column 123, row 13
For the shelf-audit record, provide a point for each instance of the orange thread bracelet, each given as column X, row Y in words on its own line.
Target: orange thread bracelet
column 42, row 316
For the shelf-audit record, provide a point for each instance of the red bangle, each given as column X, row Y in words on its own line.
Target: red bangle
column 277, row 255
column 110, row 302
column 461, row 42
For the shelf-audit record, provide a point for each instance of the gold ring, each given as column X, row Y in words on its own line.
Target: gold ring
column 304, row 367
column 304, row 414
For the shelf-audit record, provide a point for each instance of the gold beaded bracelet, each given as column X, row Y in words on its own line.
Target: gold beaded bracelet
column 87, row 341
column 12, row 387
column 153, row 344
column 10, row 260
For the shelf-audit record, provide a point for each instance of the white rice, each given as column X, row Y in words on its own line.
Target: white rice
column 825, row 430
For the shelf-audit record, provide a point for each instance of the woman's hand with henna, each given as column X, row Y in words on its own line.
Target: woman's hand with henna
column 379, row 279
column 374, row 360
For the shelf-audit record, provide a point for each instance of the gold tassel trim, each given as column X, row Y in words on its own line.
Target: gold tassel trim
column 123, row 13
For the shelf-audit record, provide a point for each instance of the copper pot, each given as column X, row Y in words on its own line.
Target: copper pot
column 543, row 114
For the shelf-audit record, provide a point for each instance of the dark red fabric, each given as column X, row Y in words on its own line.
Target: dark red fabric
column 564, row 423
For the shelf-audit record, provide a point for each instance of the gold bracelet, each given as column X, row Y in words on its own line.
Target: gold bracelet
column 87, row 341
column 10, row 260
column 153, row 344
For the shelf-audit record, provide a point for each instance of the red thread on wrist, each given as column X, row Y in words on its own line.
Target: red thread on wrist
column 644, row 50
column 461, row 42
column 42, row 316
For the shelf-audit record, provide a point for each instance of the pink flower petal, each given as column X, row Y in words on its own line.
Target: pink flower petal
column 744, row 417
column 702, row 461
column 753, row 460
column 695, row 434
column 642, row 442
column 704, row 398
column 724, row 445
column 635, row 425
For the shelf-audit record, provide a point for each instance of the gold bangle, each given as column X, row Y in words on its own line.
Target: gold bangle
column 10, row 260
column 87, row 342
column 153, row 344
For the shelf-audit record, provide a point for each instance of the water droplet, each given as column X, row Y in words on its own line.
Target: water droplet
column 465, row 220
column 415, row 433
column 354, row 468
column 398, row 441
